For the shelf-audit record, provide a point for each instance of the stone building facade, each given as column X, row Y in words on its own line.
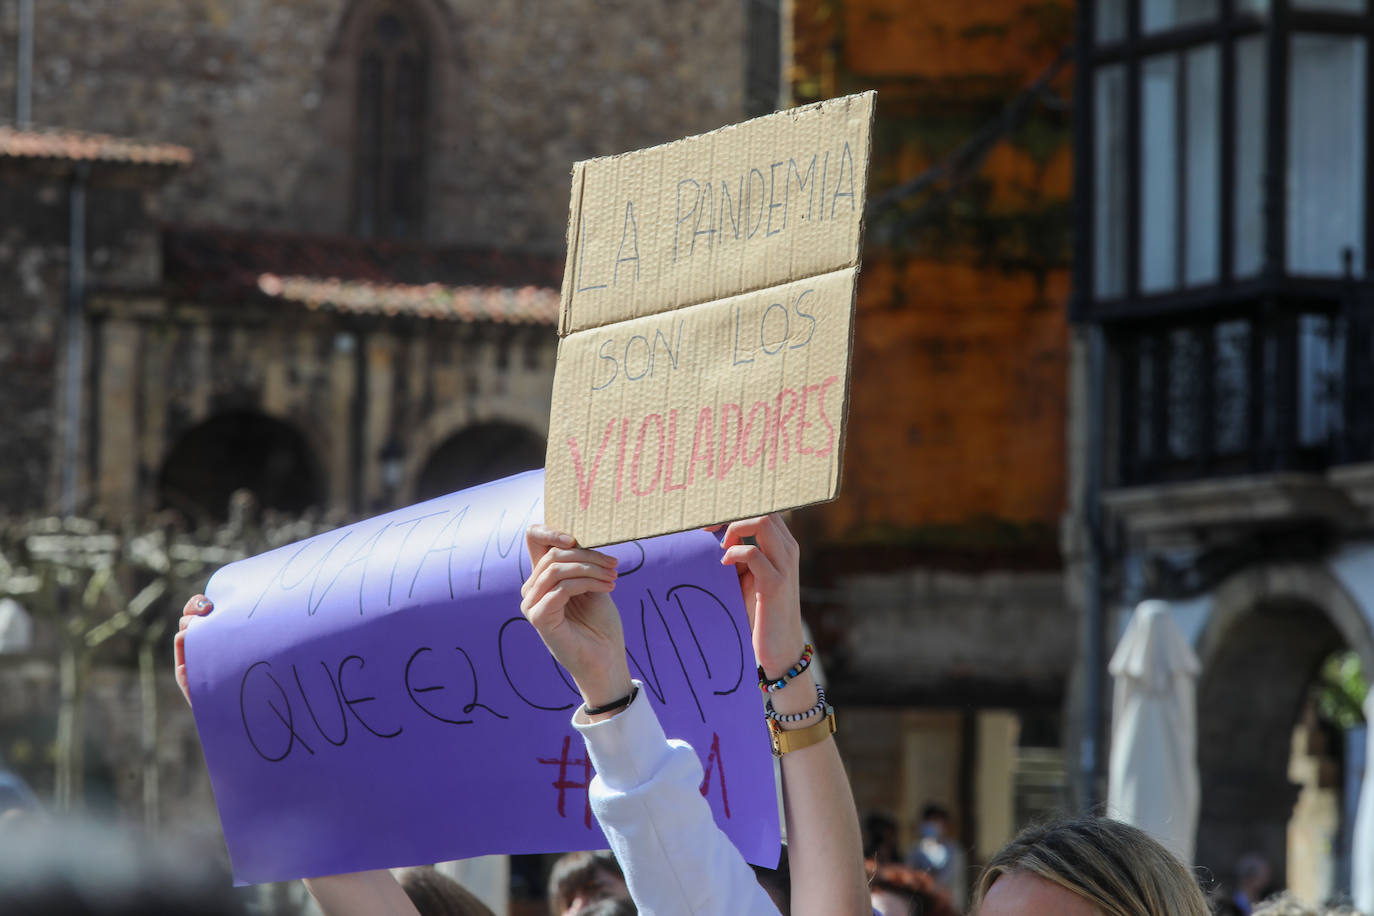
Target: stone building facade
column 1219, row 401
column 431, row 126
column 312, row 249
column 506, row 96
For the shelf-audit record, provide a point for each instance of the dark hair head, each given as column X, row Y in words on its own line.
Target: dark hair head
column 439, row 895
column 580, row 872
column 933, row 811
column 610, row 906
column 1117, row 868
column 917, row 890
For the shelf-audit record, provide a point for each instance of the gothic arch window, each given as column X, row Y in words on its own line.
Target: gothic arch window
column 392, row 124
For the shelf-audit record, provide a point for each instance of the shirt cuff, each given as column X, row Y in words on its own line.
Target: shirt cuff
column 626, row 748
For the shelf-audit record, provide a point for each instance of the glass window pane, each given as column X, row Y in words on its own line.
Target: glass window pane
column 1251, row 69
column 1252, row 6
column 1158, row 15
column 1231, row 387
column 1158, row 174
column 1320, row 364
column 1337, row 6
column 1325, row 153
column 1111, row 21
column 1146, row 393
column 1109, row 181
column 1269, row 385
column 1202, row 257
column 1182, row 390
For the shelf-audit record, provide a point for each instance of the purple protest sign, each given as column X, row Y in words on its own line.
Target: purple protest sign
column 372, row 697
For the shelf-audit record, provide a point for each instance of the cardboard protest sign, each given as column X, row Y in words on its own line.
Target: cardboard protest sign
column 707, row 311
column 372, row 697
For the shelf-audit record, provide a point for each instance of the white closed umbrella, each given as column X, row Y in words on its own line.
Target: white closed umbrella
column 1153, row 778
column 1362, row 847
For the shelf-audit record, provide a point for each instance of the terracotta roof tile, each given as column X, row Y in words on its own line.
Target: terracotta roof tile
column 78, row 146
column 506, row 305
column 225, row 264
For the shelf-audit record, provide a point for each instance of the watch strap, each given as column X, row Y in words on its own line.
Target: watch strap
column 785, row 741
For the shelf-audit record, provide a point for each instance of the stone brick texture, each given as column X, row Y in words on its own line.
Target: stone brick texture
column 121, row 245
column 263, row 94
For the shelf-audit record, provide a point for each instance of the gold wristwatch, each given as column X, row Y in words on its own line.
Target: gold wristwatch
column 785, row 742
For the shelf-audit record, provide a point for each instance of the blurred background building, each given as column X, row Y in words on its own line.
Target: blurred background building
column 307, row 250
column 312, row 250
column 1220, row 397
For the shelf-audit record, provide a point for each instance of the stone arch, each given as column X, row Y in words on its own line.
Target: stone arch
column 240, row 449
column 477, row 454
column 1271, row 628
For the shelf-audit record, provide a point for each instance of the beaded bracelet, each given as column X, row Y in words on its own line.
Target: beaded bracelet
column 798, row 716
column 802, row 664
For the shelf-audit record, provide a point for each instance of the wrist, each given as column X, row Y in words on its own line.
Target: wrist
column 775, row 662
column 798, row 696
column 605, row 690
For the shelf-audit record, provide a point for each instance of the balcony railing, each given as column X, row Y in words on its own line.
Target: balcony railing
column 1282, row 385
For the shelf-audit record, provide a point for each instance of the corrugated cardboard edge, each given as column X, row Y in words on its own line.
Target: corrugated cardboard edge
column 841, row 433
column 570, row 265
column 868, row 97
column 854, row 305
column 579, row 171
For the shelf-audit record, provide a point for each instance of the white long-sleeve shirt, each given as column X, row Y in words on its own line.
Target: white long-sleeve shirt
column 646, row 796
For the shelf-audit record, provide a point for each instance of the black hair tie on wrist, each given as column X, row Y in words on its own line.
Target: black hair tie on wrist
column 614, row 704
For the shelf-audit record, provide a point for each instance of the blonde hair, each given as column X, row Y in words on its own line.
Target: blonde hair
column 1117, row 868
column 1287, row 905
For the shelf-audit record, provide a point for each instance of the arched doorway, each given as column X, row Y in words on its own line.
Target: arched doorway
column 239, row 450
column 1273, row 628
column 478, row 454
column 1250, row 697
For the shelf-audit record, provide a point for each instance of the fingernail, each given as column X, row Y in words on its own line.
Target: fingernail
column 200, row 605
column 566, row 540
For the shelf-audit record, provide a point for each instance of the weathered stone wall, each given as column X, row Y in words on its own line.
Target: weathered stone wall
column 121, row 246
column 949, row 639
column 169, row 367
column 264, row 95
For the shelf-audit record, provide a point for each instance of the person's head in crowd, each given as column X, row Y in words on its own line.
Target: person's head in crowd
column 439, row 895
column 1252, row 876
column 580, row 878
column 880, row 838
column 900, row 890
column 1286, row 905
column 1086, row 867
column 934, row 821
column 55, row 867
column 610, row 906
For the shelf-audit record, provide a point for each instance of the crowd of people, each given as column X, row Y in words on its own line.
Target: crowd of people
column 667, row 856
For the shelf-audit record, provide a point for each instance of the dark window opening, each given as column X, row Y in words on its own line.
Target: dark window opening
column 393, row 105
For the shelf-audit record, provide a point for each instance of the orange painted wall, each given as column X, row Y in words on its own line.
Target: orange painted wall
column 958, row 405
